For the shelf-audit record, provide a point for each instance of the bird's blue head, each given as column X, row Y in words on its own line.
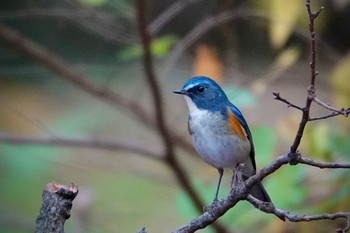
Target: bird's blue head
column 204, row 92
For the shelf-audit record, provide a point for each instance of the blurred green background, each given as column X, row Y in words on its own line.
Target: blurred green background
column 263, row 47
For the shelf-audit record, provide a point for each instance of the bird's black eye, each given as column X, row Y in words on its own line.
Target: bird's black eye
column 200, row 88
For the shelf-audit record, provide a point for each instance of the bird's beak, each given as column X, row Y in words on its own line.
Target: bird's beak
column 180, row 92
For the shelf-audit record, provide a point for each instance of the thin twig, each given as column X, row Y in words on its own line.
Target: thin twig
column 341, row 111
column 333, row 114
column 277, row 96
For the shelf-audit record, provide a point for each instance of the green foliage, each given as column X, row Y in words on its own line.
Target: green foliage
column 159, row 48
column 93, row 2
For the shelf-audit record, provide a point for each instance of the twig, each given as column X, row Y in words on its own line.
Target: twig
column 318, row 164
column 56, row 206
column 341, row 111
column 277, row 96
column 333, row 114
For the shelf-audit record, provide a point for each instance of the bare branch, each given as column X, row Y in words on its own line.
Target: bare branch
column 96, row 143
column 270, row 208
column 241, row 192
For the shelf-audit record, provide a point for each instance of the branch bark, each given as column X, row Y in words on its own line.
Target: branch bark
column 56, row 206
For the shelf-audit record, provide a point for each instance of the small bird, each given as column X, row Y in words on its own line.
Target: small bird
column 219, row 132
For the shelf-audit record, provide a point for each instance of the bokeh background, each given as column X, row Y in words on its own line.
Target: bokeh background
column 250, row 47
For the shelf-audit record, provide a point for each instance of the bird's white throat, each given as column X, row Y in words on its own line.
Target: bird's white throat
column 193, row 109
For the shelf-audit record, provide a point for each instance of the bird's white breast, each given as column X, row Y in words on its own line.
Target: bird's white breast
column 213, row 140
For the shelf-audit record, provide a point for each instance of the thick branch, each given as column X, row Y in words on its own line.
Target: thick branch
column 56, row 206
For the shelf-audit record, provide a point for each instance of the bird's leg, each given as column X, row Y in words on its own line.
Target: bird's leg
column 237, row 175
column 221, row 172
column 215, row 201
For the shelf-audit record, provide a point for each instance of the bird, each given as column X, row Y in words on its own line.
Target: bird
column 219, row 132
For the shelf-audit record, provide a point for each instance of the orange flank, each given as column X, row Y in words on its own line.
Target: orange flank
column 234, row 125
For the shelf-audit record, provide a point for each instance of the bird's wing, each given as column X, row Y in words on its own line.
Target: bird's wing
column 239, row 125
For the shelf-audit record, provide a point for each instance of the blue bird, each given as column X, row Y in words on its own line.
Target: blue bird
column 219, row 132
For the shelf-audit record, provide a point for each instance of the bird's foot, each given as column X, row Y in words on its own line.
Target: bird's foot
column 237, row 175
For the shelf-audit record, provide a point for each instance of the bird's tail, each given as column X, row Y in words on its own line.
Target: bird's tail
column 258, row 191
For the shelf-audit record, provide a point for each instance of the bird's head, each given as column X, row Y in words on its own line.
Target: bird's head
column 204, row 93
